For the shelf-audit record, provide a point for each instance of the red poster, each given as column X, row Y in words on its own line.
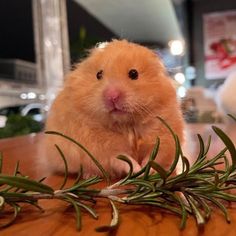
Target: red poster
column 219, row 44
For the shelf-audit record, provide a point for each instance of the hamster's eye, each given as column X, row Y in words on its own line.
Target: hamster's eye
column 133, row 74
column 99, row 74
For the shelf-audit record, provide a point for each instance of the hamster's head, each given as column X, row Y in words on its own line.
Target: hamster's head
column 120, row 83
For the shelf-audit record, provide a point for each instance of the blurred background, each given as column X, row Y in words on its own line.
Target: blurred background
column 40, row 40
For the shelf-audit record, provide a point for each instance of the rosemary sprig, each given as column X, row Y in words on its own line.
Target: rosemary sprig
column 193, row 192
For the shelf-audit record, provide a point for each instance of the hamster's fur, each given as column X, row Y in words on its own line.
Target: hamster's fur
column 112, row 110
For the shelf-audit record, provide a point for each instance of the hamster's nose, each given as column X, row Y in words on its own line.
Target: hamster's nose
column 112, row 96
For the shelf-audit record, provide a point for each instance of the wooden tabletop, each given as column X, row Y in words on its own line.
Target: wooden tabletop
column 58, row 219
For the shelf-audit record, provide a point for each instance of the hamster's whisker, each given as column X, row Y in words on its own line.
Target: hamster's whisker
column 138, row 109
column 143, row 110
column 148, row 111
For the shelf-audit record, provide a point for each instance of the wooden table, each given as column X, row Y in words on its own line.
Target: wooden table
column 59, row 220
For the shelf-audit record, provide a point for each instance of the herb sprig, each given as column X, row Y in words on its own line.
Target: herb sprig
column 194, row 191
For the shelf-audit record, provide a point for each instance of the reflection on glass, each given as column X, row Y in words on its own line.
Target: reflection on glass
column 17, row 55
column 16, row 27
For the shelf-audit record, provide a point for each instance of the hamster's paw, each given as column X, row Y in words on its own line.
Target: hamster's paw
column 121, row 168
column 87, row 175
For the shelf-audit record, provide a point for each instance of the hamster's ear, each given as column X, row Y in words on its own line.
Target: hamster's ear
column 101, row 45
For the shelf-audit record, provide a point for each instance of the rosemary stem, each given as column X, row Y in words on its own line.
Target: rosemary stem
column 112, row 192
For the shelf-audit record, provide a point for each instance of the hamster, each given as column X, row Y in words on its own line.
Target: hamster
column 109, row 103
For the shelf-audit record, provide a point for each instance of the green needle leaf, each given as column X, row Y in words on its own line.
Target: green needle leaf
column 197, row 214
column 84, row 183
column 155, row 203
column 233, row 117
column 159, row 170
column 35, row 204
column 115, row 215
column 11, row 221
column 186, row 167
column 228, row 143
column 155, row 150
column 77, row 211
column 65, row 164
column 142, row 183
column 184, row 211
column 201, row 148
column 2, row 201
column 152, row 157
column 178, row 150
column 219, row 205
column 88, row 209
column 114, row 222
column 127, row 160
column 26, row 184
column 207, row 146
column 16, row 168
column 79, row 176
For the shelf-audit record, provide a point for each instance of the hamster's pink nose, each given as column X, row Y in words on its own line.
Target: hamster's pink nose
column 112, row 96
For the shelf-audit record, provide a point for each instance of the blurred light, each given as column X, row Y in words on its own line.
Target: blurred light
column 47, row 43
column 52, row 96
column 46, row 108
column 31, row 95
column 42, row 97
column 3, row 120
column 23, row 96
column 181, row 91
column 190, row 72
column 180, row 78
column 176, row 47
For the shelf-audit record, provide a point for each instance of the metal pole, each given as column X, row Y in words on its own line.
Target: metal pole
column 52, row 48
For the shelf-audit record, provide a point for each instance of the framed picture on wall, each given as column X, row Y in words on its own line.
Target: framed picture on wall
column 219, row 30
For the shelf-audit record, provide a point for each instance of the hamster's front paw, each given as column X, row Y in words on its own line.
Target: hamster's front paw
column 121, row 168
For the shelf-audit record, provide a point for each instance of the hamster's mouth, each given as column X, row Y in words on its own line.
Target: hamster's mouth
column 117, row 111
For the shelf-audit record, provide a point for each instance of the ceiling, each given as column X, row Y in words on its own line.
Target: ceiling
column 150, row 21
